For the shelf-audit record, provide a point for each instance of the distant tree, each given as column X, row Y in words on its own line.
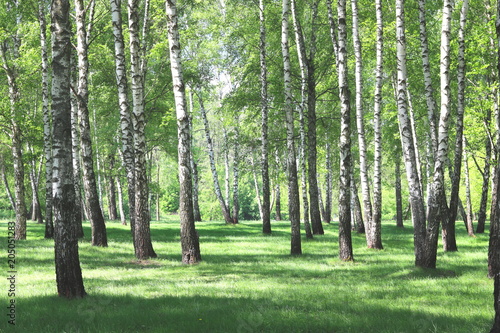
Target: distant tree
column 68, row 272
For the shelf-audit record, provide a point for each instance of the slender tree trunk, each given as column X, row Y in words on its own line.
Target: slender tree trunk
column 189, row 237
column 227, row 187
column 373, row 232
column 16, row 137
column 119, row 187
column 256, row 185
column 236, row 200
column 302, row 107
column 68, row 272
column 293, row 187
column 278, row 202
column 481, row 218
column 405, row 129
column 358, row 223
column 96, row 217
column 266, row 188
column 469, row 214
column 218, row 193
column 193, row 165
column 329, row 185
column 47, row 122
column 113, row 212
column 345, row 242
column 142, row 233
column 126, row 125
column 317, row 226
column 399, row 197
column 377, row 126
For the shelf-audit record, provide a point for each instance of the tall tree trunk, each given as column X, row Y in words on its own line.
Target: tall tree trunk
column 317, row 226
column 496, row 305
column 438, row 208
column 373, row 232
column 96, row 217
column 15, row 135
column 142, row 233
column 302, row 107
column 126, row 125
column 293, row 186
column 218, row 193
column 266, row 187
column 405, row 129
column 377, row 126
column 68, row 272
column 189, row 237
column 345, row 242
column 481, row 218
column 47, row 122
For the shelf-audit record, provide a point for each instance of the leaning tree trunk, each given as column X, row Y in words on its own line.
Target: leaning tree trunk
column 193, row 164
column 345, row 242
column 266, row 187
column 189, row 237
column 47, row 123
column 293, row 186
column 218, row 193
column 405, row 130
column 68, row 272
column 126, row 126
column 96, row 217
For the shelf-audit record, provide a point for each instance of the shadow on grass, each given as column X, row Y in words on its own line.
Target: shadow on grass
column 104, row 313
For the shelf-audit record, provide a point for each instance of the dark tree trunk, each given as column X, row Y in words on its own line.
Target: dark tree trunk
column 68, row 271
column 278, row 203
column 481, row 217
column 496, row 304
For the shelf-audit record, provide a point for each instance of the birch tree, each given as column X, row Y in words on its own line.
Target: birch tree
column 407, row 143
column 189, row 237
column 293, row 187
column 142, row 234
column 94, row 209
column 68, row 272
column 126, row 125
column 266, row 187
column 345, row 242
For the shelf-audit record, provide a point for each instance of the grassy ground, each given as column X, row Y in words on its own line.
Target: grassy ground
column 247, row 282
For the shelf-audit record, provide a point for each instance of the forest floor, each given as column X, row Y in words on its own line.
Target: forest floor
column 248, row 282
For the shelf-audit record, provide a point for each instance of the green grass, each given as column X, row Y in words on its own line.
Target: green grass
column 248, row 282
